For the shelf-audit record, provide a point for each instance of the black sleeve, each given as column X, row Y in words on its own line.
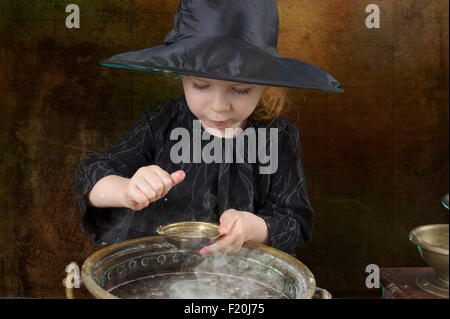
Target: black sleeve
column 124, row 158
column 287, row 211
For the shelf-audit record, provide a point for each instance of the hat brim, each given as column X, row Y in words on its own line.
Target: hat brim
column 228, row 59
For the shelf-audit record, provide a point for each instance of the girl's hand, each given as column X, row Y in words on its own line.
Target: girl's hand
column 234, row 226
column 149, row 184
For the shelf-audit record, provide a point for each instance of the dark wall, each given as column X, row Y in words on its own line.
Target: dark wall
column 376, row 156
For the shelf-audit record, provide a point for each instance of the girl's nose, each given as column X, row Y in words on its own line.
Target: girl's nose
column 219, row 103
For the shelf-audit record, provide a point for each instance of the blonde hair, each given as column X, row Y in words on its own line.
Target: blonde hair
column 271, row 104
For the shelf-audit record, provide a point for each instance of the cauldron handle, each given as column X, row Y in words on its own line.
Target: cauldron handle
column 321, row 293
column 72, row 279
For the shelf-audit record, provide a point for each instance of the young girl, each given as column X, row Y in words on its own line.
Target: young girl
column 231, row 77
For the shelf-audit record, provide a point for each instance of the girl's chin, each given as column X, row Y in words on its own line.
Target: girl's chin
column 219, row 131
column 216, row 132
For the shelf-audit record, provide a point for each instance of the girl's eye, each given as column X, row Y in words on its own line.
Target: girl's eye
column 200, row 87
column 242, row 91
column 246, row 91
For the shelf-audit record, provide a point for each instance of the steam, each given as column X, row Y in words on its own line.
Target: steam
column 247, row 274
column 224, row 277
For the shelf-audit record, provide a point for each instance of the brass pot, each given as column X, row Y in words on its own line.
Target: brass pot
column 151, row 267
column 432, row 242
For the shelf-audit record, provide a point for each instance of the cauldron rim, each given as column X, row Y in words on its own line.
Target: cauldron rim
column 98, row 292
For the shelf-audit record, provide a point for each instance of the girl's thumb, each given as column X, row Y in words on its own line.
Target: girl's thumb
column 178, row 176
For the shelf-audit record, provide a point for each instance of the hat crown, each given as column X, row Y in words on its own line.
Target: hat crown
column 255, row 21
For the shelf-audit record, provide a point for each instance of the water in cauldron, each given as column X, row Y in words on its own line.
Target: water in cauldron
column 191, row 285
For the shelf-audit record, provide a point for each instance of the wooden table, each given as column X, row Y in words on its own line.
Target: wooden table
column 400, row 283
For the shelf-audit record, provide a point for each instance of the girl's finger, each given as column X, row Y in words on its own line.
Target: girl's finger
column 236, row 245
column 165, row 178
column 143, row 186
column 140, row 199
column 219, row 246
column 177, row 177
column 236, row 239
column 227, row 221
column 156, row 183
column 232, row 247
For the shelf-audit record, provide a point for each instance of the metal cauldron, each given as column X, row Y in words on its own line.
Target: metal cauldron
column 151, row 267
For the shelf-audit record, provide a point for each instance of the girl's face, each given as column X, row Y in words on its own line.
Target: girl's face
column 220, row 104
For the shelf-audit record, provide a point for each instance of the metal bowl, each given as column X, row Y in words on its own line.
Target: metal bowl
column 432, row 242
column 190, row 235
column 150, row 267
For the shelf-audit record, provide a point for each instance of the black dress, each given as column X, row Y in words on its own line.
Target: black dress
column 208, row 189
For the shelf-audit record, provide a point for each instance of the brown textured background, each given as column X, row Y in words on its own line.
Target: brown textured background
column 376, row 156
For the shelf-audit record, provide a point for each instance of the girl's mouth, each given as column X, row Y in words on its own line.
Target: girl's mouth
column 218, row 123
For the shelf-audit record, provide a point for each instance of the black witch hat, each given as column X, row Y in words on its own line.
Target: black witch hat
column 230, row 40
